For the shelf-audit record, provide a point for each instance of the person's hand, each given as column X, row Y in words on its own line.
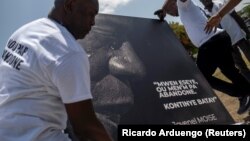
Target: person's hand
column 212, row 24
column 160, row 13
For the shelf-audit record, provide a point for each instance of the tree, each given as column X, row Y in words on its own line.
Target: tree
column 245, row 12
column 181, row 34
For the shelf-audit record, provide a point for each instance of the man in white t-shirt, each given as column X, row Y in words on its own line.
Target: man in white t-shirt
column 214, row 21
column 44, row 78
column 235, row 32
column 214, row 50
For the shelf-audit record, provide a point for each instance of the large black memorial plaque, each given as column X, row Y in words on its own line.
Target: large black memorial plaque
column 141, row 74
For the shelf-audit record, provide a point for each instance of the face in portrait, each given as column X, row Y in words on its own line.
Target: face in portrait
column 114, row 64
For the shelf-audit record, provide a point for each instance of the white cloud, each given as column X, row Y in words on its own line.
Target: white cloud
column 109, row 6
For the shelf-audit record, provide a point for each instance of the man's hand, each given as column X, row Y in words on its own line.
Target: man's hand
column 161, row 14
column 212, row 24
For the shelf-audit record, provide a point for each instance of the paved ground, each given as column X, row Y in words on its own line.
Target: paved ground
column 232, row 104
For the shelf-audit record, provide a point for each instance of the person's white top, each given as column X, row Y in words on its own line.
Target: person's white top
column 228, row 23
column 42, row 68
column 194, row 21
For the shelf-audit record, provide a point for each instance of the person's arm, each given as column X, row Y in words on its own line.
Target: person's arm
column 215, row 20
column 161, row 13
column 85, row 123
column 72, row 80
column 240, row 22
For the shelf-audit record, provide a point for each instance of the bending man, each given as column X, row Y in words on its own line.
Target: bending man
column 44, row 78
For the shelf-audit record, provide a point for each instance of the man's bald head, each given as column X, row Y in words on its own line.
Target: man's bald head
column 78, row 16
column 59, row 2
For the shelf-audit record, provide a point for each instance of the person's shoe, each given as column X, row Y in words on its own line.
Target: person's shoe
column 244, row 104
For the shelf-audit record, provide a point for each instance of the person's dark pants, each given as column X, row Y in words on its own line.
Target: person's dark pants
column 217, row 53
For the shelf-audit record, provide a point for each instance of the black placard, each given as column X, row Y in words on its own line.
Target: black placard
column 141, row 74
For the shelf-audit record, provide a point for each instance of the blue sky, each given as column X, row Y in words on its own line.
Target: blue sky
column 15, row 13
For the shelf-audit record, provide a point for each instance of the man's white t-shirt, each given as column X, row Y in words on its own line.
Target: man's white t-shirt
column 42, row 68
column 228, row 23
column 194, row 22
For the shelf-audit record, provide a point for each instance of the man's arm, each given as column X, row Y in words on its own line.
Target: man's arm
column 72, row 80
column 240, row 22
column 214, row 21
column 85, row 123
column 161, row 13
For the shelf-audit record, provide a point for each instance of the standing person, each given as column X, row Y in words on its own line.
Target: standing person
column 214, row 50
column 214, row 21
column 44, row 78
column 235, row 32
column 241, row 23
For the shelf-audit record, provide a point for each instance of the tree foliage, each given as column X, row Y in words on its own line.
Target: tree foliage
column 245, row 12
column 181, row 34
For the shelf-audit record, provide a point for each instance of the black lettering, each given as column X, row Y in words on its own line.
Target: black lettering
column 12, row 60
column 19, row 49
column 17, row 66
column 4, row 53
column 16, row 47
column 7, row 55
column 22, row 50
column 25, row 50
column 11, row 44
column 15, row 62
